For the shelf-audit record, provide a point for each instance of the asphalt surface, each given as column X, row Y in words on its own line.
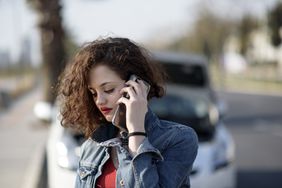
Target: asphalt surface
column 255, row 121
column 22, row 139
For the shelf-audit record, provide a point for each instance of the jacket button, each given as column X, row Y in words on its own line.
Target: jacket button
column 82, row 173
column 121, row 182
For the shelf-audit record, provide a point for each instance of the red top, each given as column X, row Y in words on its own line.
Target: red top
column 108, row 177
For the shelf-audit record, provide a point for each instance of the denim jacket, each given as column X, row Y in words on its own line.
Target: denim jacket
column 164, row 159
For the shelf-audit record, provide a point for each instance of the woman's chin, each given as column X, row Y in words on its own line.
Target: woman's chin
column 109, row 118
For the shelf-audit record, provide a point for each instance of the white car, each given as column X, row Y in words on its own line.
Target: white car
column 194, row 103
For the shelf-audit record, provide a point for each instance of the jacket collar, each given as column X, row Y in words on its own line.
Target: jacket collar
column 104, row 132
column 151, row 120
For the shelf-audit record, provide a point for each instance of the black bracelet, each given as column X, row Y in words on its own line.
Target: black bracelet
column 136, row 134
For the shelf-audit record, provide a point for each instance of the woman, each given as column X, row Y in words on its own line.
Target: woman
column 154, row 153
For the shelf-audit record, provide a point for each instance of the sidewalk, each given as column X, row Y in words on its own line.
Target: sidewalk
column 21, row 142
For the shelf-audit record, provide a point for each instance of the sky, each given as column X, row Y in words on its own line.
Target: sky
column 17, row 21
column 140, row 20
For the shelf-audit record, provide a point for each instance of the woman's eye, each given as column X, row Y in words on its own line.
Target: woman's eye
column 109, row 90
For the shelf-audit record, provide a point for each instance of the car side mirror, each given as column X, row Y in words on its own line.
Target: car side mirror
column 43, row 111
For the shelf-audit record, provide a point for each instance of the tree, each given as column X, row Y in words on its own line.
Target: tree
column 275, row 24
column 246, row 26
column 207, row 36
column 52, row 43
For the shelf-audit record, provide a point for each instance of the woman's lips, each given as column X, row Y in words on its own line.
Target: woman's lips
column 106, row 110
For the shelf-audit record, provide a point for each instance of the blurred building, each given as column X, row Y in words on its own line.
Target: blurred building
column 5, row 60
column 25, row 55
column 232, row 60
column 260, row 49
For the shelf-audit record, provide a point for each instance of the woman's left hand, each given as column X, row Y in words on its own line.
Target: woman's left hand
column 136, row 105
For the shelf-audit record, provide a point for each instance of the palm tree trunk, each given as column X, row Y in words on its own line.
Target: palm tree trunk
column 52, row 43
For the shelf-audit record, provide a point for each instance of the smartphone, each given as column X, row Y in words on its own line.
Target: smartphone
column 119, row 118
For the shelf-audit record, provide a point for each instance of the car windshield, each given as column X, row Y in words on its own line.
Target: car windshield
column 185, row 74
column 191, row 111
column 183, row 68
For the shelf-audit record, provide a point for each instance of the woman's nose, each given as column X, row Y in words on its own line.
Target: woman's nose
column 100, row 100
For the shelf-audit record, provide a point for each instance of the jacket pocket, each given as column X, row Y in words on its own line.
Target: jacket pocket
column 86, row 176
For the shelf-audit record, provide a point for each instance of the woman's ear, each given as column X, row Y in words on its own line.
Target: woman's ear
column 90, row 89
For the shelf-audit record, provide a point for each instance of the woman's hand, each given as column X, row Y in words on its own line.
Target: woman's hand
column 136, row 105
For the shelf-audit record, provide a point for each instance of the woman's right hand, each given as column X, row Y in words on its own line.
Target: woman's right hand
column 136, row 105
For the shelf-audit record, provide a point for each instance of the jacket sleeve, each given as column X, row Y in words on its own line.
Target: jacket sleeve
column 169, row 169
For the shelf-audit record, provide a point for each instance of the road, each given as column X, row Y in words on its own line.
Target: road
column 255, row 122
column 22, row 139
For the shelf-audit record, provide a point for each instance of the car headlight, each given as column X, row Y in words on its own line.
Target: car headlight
column 213, row 115
column 66, row 157
column 62, row 152
column 223, row 154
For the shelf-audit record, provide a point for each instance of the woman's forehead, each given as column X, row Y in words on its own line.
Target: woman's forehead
column 102, row 75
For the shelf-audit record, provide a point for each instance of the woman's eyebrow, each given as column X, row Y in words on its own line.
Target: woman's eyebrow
column 103, row 84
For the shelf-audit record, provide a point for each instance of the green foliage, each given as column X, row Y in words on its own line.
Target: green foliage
column 275, row 23
column 210, row 31
column 246, row 26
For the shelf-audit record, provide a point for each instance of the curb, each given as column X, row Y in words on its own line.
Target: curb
column 33, row 173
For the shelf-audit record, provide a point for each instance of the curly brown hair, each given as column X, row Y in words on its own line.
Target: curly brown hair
column 121, row 55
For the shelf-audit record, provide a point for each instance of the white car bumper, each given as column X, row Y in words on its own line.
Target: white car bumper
column 222, row 178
